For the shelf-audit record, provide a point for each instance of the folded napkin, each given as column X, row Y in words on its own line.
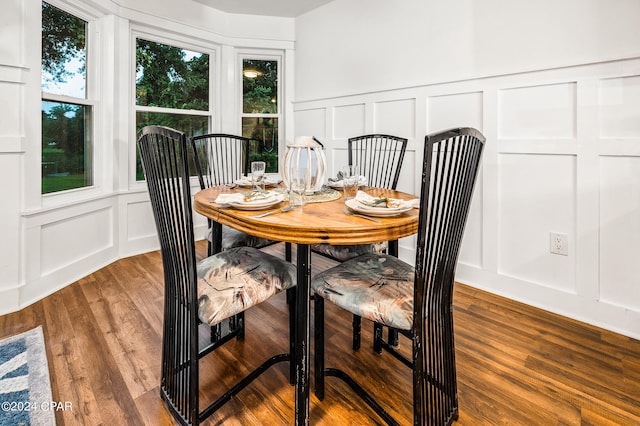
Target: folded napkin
column 239, row 198
column 243, row 181
column 362, row 181
column 246, row 181
column 369, row 201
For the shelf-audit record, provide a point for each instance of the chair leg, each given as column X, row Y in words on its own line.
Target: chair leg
column 357, row 328
column 215, row 246
column 393, row 250
column 392, row 337
column 216, row 332
column 318, row 357
column 239, row 319
column 377, row 338
column 291, row 302
column 287, row 252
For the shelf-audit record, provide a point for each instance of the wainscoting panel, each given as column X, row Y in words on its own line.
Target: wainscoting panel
column 538, row 112
column 137, row 233
column 348, row 121
column 311, row 122
column 67, row 241
column 536, row 198
column 10, row 220
column 11, row 20
column 395, row 117
column 10, row 93
column 456, row 110
column 140, row 221
column 619, row 103
column 620, row 231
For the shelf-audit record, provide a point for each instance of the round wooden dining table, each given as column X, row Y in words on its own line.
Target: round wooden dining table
column 313, row 223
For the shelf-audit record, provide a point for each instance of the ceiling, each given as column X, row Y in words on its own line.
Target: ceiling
column 285, row 8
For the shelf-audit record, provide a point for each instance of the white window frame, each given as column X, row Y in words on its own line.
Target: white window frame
column 92, row 100
column 186, row 43
column 275, row 55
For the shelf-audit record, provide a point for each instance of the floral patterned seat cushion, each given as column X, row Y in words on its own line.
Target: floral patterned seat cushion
column 374, row 286
column 233, row 280
column 343, row 253
column 233, row 238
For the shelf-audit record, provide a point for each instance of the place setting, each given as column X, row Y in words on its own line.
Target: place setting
column 370, row 205
column 258, row 197
column 258, row 177
column 297, row 183
column 363, row 204
column 250, row 200
column 268, row 181
column 338, row 181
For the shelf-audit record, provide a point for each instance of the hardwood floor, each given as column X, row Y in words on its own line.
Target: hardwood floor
column 516, row 365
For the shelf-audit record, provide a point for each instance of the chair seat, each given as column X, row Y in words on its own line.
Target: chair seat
column 374, row 286
column 234, row 280
column 344, row 253
column 232, row 238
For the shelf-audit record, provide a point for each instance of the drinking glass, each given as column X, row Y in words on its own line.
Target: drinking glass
column 350, row 178
column 298, row 184
column 257, row 175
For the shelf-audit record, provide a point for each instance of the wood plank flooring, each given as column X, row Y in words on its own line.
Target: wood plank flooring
column 516, row 365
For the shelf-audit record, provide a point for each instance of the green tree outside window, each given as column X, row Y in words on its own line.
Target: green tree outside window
column 66, row 127
column 173, row 78
column 260, row 109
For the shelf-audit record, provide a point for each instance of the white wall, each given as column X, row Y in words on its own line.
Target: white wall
column 555, row 87
column 356, row 46
column 50, row 241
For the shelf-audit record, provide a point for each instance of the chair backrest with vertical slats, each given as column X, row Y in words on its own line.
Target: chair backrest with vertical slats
column 164, row 157
column 451, row 165
column 379, row 158
column 220, row 158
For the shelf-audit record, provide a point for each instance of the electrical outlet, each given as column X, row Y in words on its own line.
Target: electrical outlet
column 558, row 243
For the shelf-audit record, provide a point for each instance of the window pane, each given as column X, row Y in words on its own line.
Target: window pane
column 171, row 77
column 265, row 131
column 66, row 146
column 192, row 125
column 64, row 53
column 259, row 86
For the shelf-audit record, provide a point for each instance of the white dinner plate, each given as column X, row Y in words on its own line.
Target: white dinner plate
column 257, row 204
column 358, row 207
column 246, row 182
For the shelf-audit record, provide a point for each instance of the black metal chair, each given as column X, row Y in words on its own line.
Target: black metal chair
column 417, row 302
column 380, row 159
column 200, row 292
column 222, row 159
